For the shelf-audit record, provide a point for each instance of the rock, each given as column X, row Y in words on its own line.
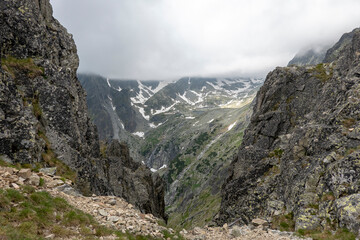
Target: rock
column 297, row 151
column 112, row 202
column 54, row 183
column 236, row 231
column 103, row 213
column 113, row 219
column 15, row 186
column 225, row 226
column 348, row 211
column 47, row 95
column 48, row 171
column 50, row 236
column 34, row 180
column 9, row 170
column 259, row 222
column 20, row 181
column 25, row 173
column 65, row 188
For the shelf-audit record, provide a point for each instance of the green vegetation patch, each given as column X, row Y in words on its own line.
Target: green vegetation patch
column 198, row 212
column 276, row 153
column 14, row 66
column 320, row 72
column 31, row 215
column 50, row 160
column 343, row 234
column 284, row 222
column 348, row 122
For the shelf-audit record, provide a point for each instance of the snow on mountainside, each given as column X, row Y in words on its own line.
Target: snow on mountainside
column 199, row 93
column 120, row 107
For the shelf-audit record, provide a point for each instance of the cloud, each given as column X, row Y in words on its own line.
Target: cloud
column 167, row 39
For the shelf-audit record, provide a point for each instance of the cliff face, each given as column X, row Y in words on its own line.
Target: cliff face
column 301, row 151
column 43, row 114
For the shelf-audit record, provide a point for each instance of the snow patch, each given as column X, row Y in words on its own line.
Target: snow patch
column 195, row 123
column 161, row 85
column 231, row 126
column 111, row 103
column 152, row 125
column 163, row 166
column 183, row 97
column 139, row 134
column 107, row 80
column 142, row 112
column 210, row 121
column 163, row 109
column 153, row 170
column 190, row 117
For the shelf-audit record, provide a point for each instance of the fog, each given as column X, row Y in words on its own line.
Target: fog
column 168, row 39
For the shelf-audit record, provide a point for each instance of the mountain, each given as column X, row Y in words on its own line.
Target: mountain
column 310, row 57
column 43, row 114
column 138, row 106
column 187, row 131
column 298, row 164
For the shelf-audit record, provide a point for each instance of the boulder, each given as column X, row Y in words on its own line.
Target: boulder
column 25, row 173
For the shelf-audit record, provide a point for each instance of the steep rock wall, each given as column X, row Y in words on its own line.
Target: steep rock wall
column 43, row 113
column 301, row 151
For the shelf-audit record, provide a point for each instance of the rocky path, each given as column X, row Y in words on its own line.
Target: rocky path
column 116, row 213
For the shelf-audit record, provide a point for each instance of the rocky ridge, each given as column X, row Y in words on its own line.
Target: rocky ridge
column 116, row 213
column 300, row 153
column 309, row 57
column 43, row 113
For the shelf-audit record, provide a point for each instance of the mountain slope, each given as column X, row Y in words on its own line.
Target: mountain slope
column 309, row 57
column 299, row 159
column 189, row 123
column 43, row 113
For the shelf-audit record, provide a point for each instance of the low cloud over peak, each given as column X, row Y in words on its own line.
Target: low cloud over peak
column 167, row 39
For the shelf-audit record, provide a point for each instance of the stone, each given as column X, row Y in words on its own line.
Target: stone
column 15, row 186
column 54, row 183
column 348, row 211
column 103, row 213
column 259, row 222
column 34, row 180
column 113, row 219
column 9, row 170
column 20, row 181
column 50, row 236
column 112, row 202
column 25, row 173
column 65, row 188
column 236, row 231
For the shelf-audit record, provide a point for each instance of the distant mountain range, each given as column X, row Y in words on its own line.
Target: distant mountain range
column 137, row 106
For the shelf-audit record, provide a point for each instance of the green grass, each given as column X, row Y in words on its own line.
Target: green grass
column 27, row 214
column 284, row 222
column 348, row 122
column 320, row 72
column 341, row 234
column 50, row 160
column 15, row 66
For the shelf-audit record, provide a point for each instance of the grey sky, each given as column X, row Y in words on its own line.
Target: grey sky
column 167, row 39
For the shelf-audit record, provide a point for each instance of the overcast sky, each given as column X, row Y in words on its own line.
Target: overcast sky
column 168, row 39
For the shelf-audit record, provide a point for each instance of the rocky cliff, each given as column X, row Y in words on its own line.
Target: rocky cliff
column 43, row 113
column 299, row 159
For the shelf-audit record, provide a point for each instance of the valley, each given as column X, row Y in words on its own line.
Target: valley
column 84, row 156
column 186, row 131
